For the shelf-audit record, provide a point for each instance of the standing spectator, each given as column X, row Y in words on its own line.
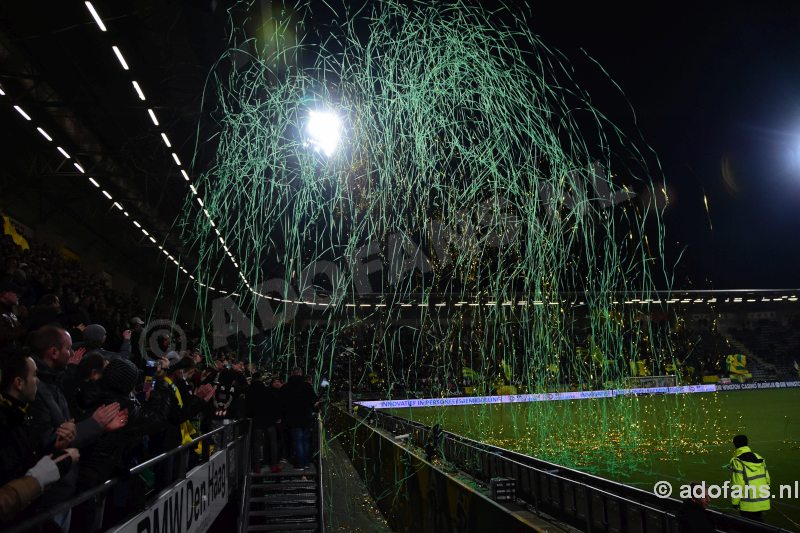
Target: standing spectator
column 11, row 331
column 137, row 326
column 183, row 408
column 164, row 347
column 116, row 452
column 692, row 516
column 231, row 383
column 263, row 405
column 21, row 457
column 46, row 313
column 94, row 336
column 50, row 411
column 78, row 384
column 18, row 385
column 299, row 402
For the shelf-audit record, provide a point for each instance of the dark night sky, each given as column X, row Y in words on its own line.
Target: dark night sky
column 707, row 82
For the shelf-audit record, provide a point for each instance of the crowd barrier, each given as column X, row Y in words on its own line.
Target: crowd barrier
column 191, row 501
column 414, row 495
column 583, row 501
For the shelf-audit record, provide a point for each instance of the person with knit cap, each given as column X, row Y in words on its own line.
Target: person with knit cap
column 115, row 453
column 94, row 337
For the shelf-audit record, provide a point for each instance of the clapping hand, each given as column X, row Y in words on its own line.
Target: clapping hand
column 77, row 355
column 118, row 421
column 206, row 392
column 104, row 414
column 65, row 434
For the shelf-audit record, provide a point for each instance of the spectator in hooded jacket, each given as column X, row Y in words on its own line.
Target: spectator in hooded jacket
column 299, row 402
column 116, row 452
column 79, row 379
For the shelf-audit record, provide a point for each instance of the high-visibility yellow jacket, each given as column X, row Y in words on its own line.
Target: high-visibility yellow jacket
column 749, row 473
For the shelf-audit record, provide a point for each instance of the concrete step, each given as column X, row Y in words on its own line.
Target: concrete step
column 286, row 472
column 287, row 486
column 286, row 499
column 310, row 528
column 286, row 512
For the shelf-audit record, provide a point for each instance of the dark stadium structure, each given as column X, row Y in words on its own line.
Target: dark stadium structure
column 173, row 396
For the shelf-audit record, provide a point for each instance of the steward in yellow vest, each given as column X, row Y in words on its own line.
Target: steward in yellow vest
column 750, row 491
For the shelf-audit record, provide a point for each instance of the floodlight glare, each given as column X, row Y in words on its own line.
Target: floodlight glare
column 324, row 131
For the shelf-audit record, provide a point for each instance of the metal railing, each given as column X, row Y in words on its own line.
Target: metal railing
column 223, row 435
column 582, row 500
column 245, row 501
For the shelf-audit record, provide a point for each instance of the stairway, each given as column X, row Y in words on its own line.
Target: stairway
column 283, row 501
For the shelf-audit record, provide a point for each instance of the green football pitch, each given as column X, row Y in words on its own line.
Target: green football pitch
column 638, row 441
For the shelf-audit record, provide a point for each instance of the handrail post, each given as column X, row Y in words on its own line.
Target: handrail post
column 244, row 466
column 320, row 501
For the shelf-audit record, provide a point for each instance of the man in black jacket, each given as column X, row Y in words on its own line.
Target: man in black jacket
column 263, row 406
column 18, row 384
column 299, row 401
column 184, row 408
column 692, row 516
column 20, row 450
column 50, row 411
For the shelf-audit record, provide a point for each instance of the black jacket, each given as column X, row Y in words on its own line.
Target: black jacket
column 263, row 405
column 298, row 402
column 50, row 409
column 230, row 386
column 19, row 450
column 43, row 316
column 692, row 518
column 176, row 414
column 112, row 454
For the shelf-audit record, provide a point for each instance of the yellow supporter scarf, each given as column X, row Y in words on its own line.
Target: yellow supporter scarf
column 188, row 433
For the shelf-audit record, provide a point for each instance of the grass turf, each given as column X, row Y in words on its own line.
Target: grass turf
column 638, row 441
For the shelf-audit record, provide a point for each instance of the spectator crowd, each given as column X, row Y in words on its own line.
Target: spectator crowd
column 82, row 402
